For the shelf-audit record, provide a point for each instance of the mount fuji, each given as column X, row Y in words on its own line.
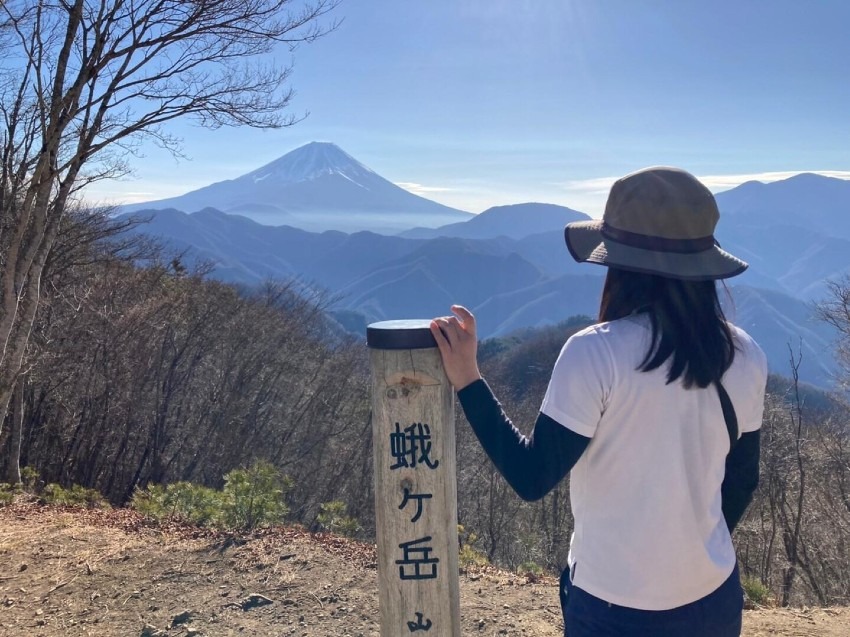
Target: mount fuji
column 316, row 187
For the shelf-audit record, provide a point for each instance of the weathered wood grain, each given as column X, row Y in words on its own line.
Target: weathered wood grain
column 409, row 389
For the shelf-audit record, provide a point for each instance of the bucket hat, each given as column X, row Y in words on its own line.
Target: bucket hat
column 657, row 220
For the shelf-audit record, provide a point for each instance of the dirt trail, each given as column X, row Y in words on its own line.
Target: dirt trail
column 94, row 573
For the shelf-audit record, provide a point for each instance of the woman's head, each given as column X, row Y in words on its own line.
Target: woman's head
column 659, row 221
column 686, row 318
column 657, row 237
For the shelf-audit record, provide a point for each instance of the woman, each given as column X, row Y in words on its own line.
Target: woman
column 655, row 411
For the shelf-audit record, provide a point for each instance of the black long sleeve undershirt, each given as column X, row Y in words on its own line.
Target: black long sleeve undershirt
column 533, row 465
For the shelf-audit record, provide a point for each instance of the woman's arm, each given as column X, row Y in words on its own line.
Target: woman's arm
column 532, row 465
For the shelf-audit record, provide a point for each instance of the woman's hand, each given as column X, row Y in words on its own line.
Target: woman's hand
column 458, row 343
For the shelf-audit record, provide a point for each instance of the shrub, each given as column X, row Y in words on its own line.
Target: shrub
column 8, row 493
column 150, row 502
column 193, row 503
column 468, row 555
column 254, row 497
column 251, row 497
column 332, row 517
column 182, row 501
column 530, row 568
column 756, row 591
column 75, row 496
column 29, row 478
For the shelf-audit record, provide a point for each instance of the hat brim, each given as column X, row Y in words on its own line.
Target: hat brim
column 587, row 245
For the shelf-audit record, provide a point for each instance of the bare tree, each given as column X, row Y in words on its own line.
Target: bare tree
column 87, row 236
column 83, row 81
column 834, row 309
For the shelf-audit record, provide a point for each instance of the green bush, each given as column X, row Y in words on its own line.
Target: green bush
column 756, row 591
column 251, row 498
column 75, row 496
column 254, row 497
column 29, row 478
column 530, row 568
column 332, row 517
column 8, row 493
column 193, row 503
column 52, row 494
column 150, row 502
column 468, row 555
column 182, row 501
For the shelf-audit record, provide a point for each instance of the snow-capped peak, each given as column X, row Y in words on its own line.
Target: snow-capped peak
column 308, row 162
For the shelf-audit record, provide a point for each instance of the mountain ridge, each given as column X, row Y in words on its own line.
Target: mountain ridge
column 498, row 221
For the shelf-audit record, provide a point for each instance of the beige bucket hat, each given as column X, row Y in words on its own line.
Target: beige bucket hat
column 659, row 221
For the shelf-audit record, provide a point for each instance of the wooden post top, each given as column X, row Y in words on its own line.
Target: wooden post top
column 404, row 334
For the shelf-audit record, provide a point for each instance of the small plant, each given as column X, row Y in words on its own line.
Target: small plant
column 182, row 501
column 193, row 503
column 251, row 497
column 332, row 517
column 468, row 558
column 468, row 555
column 756, row 591
column 76, row 496
column 254, row 497
column 150, row 502
column 29, row 478
column 8, row 493
column 530, row 568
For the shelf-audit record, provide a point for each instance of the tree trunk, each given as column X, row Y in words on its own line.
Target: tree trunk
column 13, row 464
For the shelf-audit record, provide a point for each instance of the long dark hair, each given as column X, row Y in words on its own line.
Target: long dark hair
column 687, row 323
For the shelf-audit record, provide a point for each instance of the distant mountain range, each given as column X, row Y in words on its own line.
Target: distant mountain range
column 515, row 222
column 509, row 263
column 794, row 233
column 315, row 187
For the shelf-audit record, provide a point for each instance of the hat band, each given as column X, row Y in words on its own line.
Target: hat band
column 658, row 244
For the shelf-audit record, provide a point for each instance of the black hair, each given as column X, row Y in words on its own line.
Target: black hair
column 687, row 323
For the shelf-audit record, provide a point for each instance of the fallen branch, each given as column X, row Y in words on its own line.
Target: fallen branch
column 60, row 585
column 318, row 600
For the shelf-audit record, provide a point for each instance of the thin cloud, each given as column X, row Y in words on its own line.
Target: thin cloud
column 725, row 182
column 601, row 185
column 118, row 197
column 590, row 186
column 419, row 189
column 110, row 194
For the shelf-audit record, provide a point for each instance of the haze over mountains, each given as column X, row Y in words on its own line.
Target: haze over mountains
column 509, row 263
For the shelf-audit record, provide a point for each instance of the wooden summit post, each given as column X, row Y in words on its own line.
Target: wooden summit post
column 415, row 482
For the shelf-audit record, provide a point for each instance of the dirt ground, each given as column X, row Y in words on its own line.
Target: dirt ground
column 93, row 573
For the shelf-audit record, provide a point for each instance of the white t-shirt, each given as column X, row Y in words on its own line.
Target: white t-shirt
column 649, row 529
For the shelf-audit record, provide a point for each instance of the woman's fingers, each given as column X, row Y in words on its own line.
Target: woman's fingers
column 463, row 313
column 455, row 337
column 466, row 317
column 454, row 329
column 442, row 343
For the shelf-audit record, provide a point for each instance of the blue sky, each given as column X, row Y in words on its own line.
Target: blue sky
column 476, row 103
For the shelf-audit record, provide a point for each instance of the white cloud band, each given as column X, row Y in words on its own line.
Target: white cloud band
column 715, row 183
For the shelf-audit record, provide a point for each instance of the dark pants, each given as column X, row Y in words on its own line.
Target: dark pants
column 718, row 614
